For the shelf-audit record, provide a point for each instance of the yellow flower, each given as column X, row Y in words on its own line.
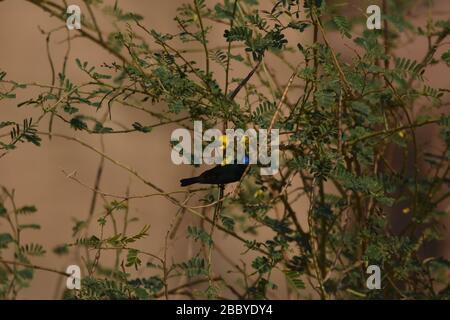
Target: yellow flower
column 224, row 141
column 259, row 193
column 406, row 210
column 245, row 140
column 401, row 134
column 227, row 160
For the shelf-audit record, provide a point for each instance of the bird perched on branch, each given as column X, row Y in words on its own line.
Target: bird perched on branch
column 227, row 172
column 220, row 174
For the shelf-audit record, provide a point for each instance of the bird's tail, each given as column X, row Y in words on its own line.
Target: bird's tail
column 188, row 181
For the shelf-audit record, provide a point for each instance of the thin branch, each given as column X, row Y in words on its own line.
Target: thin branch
column 33, row 266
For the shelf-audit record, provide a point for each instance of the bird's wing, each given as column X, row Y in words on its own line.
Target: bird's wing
column 212, row 173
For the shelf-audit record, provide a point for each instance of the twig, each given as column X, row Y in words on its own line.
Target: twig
column 283, row 97
column 244, row 81
column 33, row 266
column 205, row 47
column 347, row 87
column 227, row 69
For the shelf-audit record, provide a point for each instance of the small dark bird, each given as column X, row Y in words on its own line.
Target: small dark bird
column 221, row 174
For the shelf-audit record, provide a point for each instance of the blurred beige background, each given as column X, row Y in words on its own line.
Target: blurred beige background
column 36, row 173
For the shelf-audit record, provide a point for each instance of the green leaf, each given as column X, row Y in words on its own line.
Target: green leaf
column 90, row 242
column 227, row 222
column 26, row 210
column 69, row 109
column 294, row 280
column 238, row 33
column 99, row 128
column 153, row 284
column 262, row 265
column 446, row 57
column 7, row 95
column 33, row 249
column 194, row 267
column 78, row 63
column 30, row 226
column 133, row 258
column 26, row 274
column 139, row 127
column 5, row 239
column 406, row 66
column 343, row 26
column 61, row 249
column 3, row 210
column 101, row 76
column 78, row 123
column 199, row 234
column 115, row 41
column 141, row 293
column 300, row 26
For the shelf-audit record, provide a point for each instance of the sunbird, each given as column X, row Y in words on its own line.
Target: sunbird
column 220, row 174
column 224, row 173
